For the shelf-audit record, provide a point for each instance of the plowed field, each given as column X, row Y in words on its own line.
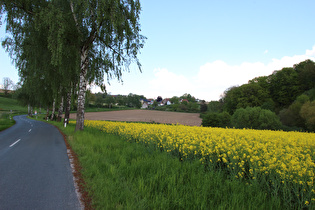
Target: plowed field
column 191, row 119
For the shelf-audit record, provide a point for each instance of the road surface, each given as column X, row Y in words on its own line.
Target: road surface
column 35, row 172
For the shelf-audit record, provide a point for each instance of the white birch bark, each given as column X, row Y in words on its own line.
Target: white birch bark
column 82, row 90
column 60, row 110
column 68, row 106
column 53, row 110
column 31, row 113
column 47, row 113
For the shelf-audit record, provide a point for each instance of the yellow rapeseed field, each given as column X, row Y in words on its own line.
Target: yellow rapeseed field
column 283, row 160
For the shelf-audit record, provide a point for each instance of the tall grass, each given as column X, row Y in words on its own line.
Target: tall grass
column 124, row 175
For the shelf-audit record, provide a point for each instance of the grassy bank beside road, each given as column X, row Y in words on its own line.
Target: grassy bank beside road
column 8, row 104
column 6, row 121
column 124, row 175
column 8, row 108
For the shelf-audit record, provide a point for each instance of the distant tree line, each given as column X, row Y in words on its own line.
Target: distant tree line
column 184, row 103
column 104, row 100
column 282, row 100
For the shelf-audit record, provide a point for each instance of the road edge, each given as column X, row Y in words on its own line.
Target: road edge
column 80, row 186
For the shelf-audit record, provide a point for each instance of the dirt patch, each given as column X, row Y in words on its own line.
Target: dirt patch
column 191, row 119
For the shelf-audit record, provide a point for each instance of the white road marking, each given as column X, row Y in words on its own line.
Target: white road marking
column 30, row 130
column 15, row 143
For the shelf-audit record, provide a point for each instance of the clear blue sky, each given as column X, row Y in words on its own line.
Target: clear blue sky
column 203, row 47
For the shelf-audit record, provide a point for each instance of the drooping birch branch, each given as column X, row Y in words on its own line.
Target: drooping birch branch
column 75, row 17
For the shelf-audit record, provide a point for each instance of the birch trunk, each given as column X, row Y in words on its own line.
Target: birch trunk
column 53, row 111
column 31, row 113
column 68, row 106
column 29, row 110
column 82, row 90
column 47, row 113
column 60, row 110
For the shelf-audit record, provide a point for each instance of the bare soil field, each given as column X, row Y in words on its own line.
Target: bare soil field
column 191, row 119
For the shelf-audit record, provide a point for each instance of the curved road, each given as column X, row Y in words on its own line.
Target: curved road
column 35, row 171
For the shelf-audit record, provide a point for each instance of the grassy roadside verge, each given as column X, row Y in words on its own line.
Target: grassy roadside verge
column 6, row 120
column 9, row 108
column 123, row 175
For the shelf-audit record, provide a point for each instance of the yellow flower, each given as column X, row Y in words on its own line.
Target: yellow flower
column 288, row 157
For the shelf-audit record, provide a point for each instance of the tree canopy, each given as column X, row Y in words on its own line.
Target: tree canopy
column 287, row 93
column 276, row 91
column 68, row 44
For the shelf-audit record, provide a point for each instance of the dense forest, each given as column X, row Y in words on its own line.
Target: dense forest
column 283, row 100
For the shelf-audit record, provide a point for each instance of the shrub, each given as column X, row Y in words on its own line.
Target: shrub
column 182, row 107
column 203, row 107
column 215, row 119
column 215, row 106
column 255, row 118
column 291, row 117
column 308, row 113
column 287, row 117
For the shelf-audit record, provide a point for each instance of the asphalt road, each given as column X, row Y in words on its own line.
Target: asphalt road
column 35, row 171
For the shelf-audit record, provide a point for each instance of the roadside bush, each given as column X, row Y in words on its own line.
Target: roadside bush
column 255, row 118
column 215, row 119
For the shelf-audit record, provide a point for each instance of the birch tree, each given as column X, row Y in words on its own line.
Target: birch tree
column 31, row 25
column 94, row 38
column 109, row 42
column 25, row 47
